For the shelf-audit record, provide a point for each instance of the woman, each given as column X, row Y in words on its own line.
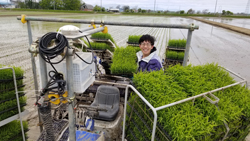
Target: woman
column 147, row 58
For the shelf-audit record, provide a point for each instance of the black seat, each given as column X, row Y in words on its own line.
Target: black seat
column 107, row 97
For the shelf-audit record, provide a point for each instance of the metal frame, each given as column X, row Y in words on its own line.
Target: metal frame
column 88, row 31
column 171, row 104
column 34, row 73
column 18, row 105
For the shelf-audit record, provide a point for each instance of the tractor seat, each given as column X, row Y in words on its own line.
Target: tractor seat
column 107, row 97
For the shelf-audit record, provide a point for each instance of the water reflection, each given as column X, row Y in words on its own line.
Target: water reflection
column 211, row 34
column 245, row 23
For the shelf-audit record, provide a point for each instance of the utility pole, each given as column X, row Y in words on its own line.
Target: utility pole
column 247, row 8
column 215, row 7
column 101, row 5
column 154, row 6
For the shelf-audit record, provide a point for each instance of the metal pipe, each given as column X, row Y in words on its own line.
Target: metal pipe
column 92, row 31
column 189, row 36
column 86, row 29
column 43, row 72
column 28, row 18
column 125, row 110
column 193, row 97
column 111, row 83
column 34, row 73
column 70, row 89
column 233, row 73
column 18, row 104
column 85, row 98
column 117, row 77
column 146, row 102
column 154, row 125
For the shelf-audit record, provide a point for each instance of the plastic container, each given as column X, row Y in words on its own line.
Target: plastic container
column 83, row 74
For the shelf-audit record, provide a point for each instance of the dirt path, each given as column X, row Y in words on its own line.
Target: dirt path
column 227, row 26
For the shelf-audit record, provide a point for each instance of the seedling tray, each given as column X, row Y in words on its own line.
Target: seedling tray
column 12, row 108
column 174, row 60
column 108, row 41
column 20, row 95
column 133, row 44
column 176, row 48
column 11, row 89
column 10, row 80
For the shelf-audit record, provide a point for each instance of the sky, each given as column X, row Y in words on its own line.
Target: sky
column 236, row 6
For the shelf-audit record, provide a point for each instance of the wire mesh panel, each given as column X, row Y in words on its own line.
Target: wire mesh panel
column 140, row 122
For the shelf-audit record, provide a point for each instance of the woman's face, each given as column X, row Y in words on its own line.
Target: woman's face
column 145, row 48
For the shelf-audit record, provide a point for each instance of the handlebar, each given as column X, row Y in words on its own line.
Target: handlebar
column 92, row 108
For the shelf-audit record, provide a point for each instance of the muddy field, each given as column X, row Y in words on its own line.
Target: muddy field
column 209, row 44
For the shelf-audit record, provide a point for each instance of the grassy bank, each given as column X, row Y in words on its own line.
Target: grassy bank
column 184, row 15
column 16, row 11
column 226, row 26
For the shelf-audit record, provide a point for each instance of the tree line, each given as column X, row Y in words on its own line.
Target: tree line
column 77, row 4
column 51, row 4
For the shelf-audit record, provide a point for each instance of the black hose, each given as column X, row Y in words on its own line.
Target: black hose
column 50, row 53
column 91, row 52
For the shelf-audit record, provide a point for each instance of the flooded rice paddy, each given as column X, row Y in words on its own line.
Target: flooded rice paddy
column 245, row 23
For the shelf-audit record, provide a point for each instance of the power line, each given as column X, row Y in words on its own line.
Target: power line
column 247, row 7
column 154, row 5
column 215, row 7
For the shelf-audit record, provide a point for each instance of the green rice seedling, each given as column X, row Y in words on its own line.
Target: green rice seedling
column 13, row 103
column 97, row 45
column 80, row 46
column 152, row 88
column 7, row 74
column 102, row 36
column 10, row 113
column 134, row 39
column 124, row 61
column 12, row 129
column 172, row 55
column 136, row 48
column 10, row 94
column 215, row 78
column 180, row 55
column 198, row 120
column 180, row 43
column 172, row 43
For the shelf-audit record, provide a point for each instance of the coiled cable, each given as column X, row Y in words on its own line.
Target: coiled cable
column 49, row 53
